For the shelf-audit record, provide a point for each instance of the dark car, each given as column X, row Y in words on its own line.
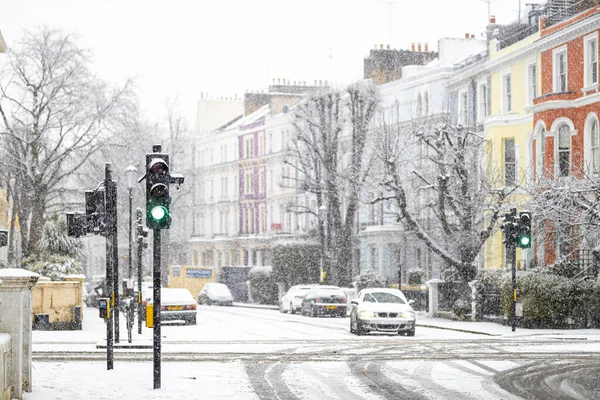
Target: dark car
column 324, row 300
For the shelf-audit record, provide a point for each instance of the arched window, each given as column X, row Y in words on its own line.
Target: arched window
column 594, row 147
column 564, row 150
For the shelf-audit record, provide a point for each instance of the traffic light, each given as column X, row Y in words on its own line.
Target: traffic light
column 95, row 210
column 524, row 230
column 509, row 227
column 141, row 232
column 158, row 198
column 77, row 224
column 3, row 238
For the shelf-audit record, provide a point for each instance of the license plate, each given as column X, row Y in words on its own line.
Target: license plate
column 331, row 307
column 174, row 308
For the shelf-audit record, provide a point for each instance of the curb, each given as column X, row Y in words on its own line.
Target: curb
column 259, row 306
column 456, row 330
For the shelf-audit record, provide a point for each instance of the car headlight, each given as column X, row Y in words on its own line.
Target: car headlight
column 408, row 315
column 366, row 314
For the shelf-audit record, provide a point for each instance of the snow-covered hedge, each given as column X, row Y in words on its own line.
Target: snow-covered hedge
column 415, row 276
column 551, row 300
column 263, row 288
column 368, row 279
column 57, row 268
column 296, row 263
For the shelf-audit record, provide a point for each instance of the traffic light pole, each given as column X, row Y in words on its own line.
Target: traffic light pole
column 140, row 243
column 156, row 310
column 109, row 272
column 111, row 211
column 512, row 262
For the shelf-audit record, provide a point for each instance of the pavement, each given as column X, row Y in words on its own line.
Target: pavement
column 475, row 327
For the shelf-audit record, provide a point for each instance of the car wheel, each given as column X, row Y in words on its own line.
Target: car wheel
column 313, row 312
column 209, row 302
column 360, row 331
column 191, row 321
column 411, row 332
column 351, row 327
column 292, row 310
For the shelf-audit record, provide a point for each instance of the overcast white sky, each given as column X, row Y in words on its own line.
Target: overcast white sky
column 224, row 47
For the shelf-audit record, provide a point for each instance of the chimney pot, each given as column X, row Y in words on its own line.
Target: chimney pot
column 325, row 83
column 381, row 46
column 412, row 47
column 419, row 47
column 426, row 47
column 388, row 46
column 278, row 81
column 472, row 36
column 492, row 19
column 466, row 35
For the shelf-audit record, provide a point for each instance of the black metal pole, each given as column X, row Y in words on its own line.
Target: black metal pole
column 156, row 311
column 399, row 276
column 115, row 253
column 109, row 272
column 140, row 242
column 130, row 234
column 512, row 250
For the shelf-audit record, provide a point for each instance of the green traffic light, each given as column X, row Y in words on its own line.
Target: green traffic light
column 524, row 240
column 158, row 213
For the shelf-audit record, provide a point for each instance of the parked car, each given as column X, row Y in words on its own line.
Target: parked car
column 324, row 300
column 382, row 310
column 292, row 300
column 176, row 304
column 215, row 293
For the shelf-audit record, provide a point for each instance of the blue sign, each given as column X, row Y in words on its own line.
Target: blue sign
column 175, row 271
column 199, row 273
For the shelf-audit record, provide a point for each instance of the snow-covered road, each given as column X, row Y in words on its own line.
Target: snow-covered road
column 253, row 353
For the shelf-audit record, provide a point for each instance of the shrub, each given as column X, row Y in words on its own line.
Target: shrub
column 296, row 263
column 57, row 268
column 368, row 279
column 415, row 276
column 262, row 285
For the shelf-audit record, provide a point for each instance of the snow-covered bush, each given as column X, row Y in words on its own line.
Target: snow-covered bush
column 296, row 263
column 262, row 285
column 551, row 300
column 564, row 268
column 58, row 254
column 415, row 276
column 57, row 268
column 368, row 279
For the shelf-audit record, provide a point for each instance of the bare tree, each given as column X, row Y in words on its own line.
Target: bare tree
column 433, row 175
column 54, row 114
column 329, row 158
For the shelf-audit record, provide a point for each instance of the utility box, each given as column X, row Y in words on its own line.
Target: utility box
column 150, row 316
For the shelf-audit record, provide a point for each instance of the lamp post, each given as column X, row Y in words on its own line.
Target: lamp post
column 323, row 221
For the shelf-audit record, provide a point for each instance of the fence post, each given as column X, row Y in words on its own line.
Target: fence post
column 433, row 285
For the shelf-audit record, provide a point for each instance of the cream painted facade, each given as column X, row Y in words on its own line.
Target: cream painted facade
column 515, row 81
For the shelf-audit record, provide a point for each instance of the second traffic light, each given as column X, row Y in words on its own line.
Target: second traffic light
column 524, row 230
column 158, row 198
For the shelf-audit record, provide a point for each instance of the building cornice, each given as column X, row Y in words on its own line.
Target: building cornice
column 502, row 120
column 560, row 104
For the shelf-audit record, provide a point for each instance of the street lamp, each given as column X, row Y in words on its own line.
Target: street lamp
column 131, row 180
column 323, row 220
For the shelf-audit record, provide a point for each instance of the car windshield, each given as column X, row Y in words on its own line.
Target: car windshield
column 382, row 297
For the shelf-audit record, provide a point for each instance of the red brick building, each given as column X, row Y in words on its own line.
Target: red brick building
column 565, row 138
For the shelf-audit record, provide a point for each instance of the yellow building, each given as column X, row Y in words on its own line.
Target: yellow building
column 514, row 77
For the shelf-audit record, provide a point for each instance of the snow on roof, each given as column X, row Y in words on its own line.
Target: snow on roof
column 252, row 117
column 17, row 273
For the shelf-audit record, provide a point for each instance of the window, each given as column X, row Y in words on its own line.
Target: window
column 261, row 181
column 510, row 166
column 249, row 147
column 531, row 83
column 564, row 150
column 261, row 144
column 591, row 60
column 248, row 182
column 506, row 93
column 594, row 147
column 462, row 107
column 270, row 142
column 419, row 105
column 224, row 153
column 426, row 104
column 224, row 187
column 540, row 152
column 482, row 109
column 560, row 70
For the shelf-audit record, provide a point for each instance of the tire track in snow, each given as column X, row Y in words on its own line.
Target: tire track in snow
column 267, row 380
column 370, row 373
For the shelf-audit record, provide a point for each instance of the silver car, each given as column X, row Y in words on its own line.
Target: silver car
column 292, row 301
column 215, row 293
column 382, row 310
